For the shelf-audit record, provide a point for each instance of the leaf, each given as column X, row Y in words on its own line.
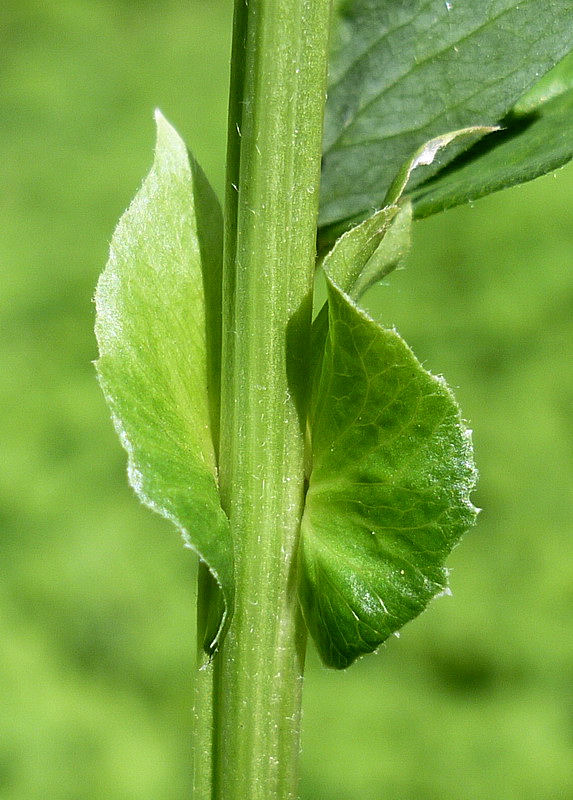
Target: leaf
column 388, row 494
column 389, row 254
column 368, row 252
column 557, row 81
column 528, row 146
column 361, row 257
column 426, row 155
column 405, row 71
column 156, row 305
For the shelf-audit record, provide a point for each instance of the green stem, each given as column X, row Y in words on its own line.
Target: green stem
column 203, row 702
column 278, row 91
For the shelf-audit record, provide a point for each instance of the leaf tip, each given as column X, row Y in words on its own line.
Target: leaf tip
column 168, row 141
column 428, row 152
column 162, row 127
column 426, row 155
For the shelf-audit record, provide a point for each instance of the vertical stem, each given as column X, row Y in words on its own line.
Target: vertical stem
column 204, row 705
column 278, row 91
column 203, row 711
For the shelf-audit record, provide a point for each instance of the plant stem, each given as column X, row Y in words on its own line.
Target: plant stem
column 203, row 710
column 276, row 109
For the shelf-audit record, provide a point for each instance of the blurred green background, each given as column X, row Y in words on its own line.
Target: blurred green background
column 96, row 597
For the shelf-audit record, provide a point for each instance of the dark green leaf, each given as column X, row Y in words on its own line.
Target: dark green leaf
column 530, row 145
column 152, row 324
column 424, row 157
column 388, row 494
column 557, row 81
column 405, row 71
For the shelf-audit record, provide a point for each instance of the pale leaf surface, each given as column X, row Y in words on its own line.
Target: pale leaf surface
column 152, row 326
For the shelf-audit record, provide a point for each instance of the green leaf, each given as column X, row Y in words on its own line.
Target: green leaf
column 156, row 308
column 528, row 146
column 388, row 494
column 557, row 81
column 368, row 252
column 361, row 257
column 405, row 71
column 427, row 154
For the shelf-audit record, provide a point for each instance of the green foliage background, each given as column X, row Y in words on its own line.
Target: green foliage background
column 96, row 595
